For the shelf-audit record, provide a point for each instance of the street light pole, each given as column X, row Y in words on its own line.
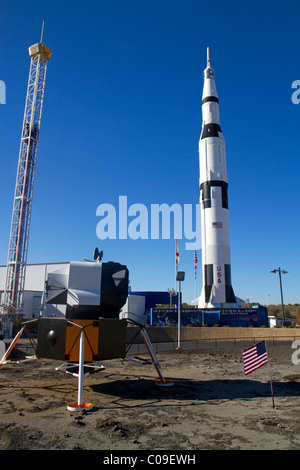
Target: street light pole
column 280, row 271
column 180, row 277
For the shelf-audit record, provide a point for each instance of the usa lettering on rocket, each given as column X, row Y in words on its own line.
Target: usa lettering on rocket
column 217, row 291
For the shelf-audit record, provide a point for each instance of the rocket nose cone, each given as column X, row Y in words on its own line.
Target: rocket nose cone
column 209, row 73
column 209, row 88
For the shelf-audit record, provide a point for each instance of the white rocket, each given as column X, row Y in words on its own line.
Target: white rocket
column 217, row 290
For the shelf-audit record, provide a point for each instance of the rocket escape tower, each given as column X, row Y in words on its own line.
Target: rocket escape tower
column 20, row 224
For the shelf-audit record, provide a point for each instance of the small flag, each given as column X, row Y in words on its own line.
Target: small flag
column 177, row 253
column 255, row 357
column 217, row 225
column 196, row 262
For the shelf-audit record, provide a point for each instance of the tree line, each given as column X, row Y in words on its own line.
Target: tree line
column 289, row 309
column 292, row 311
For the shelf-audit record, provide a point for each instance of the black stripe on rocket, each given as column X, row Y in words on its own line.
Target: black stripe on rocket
column 206, row 192
column 210, row 130
column 209, row 281
column 210, row 98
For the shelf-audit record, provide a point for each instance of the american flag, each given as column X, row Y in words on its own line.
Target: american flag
column 196, row 262
column 217, row 225
column 255, row 357
column 176, row 254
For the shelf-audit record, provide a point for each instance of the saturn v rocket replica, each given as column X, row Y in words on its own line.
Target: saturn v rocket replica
column 217, row 291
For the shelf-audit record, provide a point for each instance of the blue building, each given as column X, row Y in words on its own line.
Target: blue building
column 244, row 317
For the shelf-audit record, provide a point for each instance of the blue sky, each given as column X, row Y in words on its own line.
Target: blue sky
column 122, row 116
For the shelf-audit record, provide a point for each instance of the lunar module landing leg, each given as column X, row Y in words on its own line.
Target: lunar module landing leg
column 81, row 343
column 162, row 381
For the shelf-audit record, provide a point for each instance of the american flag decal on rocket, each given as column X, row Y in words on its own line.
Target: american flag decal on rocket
column 217, row 225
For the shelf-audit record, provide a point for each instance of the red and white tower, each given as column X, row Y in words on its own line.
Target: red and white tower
column 19, row 234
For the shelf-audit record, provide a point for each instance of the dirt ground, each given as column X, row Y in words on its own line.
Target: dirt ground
column 212, row 405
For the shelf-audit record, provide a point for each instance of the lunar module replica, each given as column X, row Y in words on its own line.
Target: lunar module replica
column 91, row 331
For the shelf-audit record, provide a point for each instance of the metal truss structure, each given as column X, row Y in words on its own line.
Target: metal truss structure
column 20, row 224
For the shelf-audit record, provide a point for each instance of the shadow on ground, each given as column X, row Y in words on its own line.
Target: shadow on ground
column 140, row 389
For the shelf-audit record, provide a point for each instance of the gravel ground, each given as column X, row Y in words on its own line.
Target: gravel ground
column 211, row 405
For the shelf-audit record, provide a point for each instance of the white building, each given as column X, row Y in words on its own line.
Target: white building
column 277, row 321
column 35, row 277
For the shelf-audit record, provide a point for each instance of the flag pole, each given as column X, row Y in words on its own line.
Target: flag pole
column 176, row 263
column 273, row 404
column 271, row 385
column 195, row 268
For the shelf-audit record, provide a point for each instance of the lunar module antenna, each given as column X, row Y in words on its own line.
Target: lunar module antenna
column 19, row 234
column 98, row 255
